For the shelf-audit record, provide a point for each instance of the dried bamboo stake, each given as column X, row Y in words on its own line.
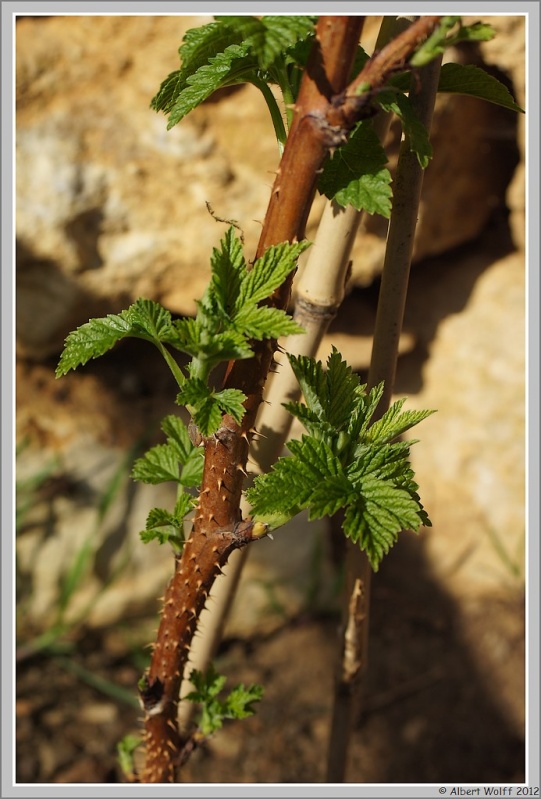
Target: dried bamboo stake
column 390, row 314
column 318, row 125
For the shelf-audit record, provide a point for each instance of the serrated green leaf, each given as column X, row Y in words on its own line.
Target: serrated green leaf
column 356, row 174
column 344, row 463
column 382, row 513
column 341, row 393
column 206, row 686
column 165, row 527
column 230, row 401
column 311, row 378
column 474, row 81
column 368, row 403
column 207, row 406
column 144, row 319
column 208, row 416
column 375, row 542
column 330, row 495
column 231, row 66
column 330, row 395
column 314, row 425
column 177, row 434
column 287, row 488
column 270, row 37
column 188, row 336
column 94, row 338
column 228, row 268
column 149, row 319
column 269, row 272
column 393, row 423
column 387, row 461
column 194, row 392
column 159, row 465
column 260, row 322
column 192, row 471
column 199, row 45
column 176, row 460
column 238, row 704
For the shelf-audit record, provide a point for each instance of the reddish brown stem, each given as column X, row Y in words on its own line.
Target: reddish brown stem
column 218, row 528
column 348, row 108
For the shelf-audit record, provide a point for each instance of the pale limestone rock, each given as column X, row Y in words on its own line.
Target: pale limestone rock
column 471, row 462
column 115, row 204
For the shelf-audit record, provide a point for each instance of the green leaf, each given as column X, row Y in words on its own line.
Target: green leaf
column 314, row 425
column 228, row 268
column 194, row 392
column 287, row 488
column 330, row 495
column 344, row 462
column 356, row 174
column 206, row 406
column 269, row 272
column 342, row 386
column 188, row 334
column 91, row 340
column 231, row 66
column 163, row 462
column 368, row 404
column 375, row 522
column 270, row 37
column 472, row 80
column 238, row 704
column 192, row 471
column 159, row 465
column 177, row 434
column 168, row 528
column 149, row 319
column 215, row 347
column 388, row 461
column 199, row 45
column 230, row 401
column 393, row 423
column 207, row 688
column 262, row 322
column 208, row 416
column 311, row 378
column 144, row 319
column 231, row 50
column 332, row 395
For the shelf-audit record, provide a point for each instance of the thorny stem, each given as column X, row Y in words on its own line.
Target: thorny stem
column 218, row 529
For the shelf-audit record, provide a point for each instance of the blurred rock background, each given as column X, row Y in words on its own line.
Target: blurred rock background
column 111, row 207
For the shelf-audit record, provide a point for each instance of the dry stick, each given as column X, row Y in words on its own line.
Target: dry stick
column 389, row 318
column 320, row 291
column 218, row 528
